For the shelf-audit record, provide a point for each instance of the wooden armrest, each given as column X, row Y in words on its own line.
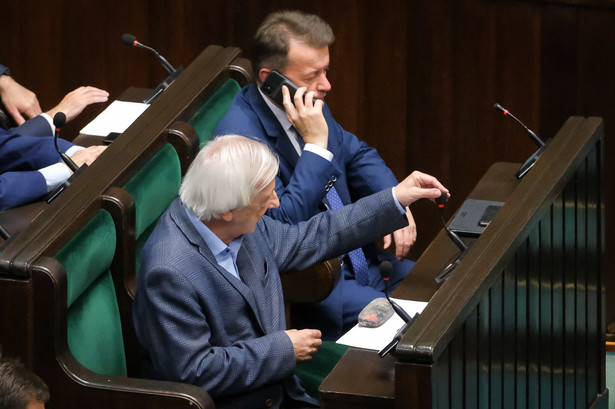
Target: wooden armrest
column 313, row 284
column 104, row 391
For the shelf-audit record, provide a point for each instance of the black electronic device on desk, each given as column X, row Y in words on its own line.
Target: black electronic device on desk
column 474, row 216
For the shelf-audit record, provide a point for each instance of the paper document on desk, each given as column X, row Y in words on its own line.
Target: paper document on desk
column 117, row 117
column 378, row 338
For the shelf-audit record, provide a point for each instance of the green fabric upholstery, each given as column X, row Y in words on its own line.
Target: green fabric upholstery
column 312, row 372
column 94, row 326
column 154, row 187
column 204, row 121
column 95, row 330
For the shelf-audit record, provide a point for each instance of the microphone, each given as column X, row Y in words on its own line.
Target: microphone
column 534, row 137
column 529, row 163
column 3, row 233
column 131, row 40
column 59, row 119
column 441, row 201
column 385, row 271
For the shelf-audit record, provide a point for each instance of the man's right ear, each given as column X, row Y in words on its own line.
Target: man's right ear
column 227, row 216
column 263, row 73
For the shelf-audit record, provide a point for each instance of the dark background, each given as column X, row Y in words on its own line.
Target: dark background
column 416, row 79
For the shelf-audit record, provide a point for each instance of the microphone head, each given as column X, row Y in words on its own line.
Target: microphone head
column 386, row 268
column 59, row 119
column 500, row 108
column 441, row 201
column 129, row 39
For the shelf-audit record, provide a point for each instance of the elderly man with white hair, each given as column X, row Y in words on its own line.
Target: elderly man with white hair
column 209, row 308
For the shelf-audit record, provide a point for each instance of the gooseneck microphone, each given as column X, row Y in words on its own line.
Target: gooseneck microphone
column 533, row 135
column 441, row 201
column 3, row 233
column 529, row 163
column 59, row 119
column 131, row 40
column 385, row 271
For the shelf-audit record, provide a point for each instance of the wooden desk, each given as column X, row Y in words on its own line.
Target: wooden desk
column 362, row 379
column 520, row 321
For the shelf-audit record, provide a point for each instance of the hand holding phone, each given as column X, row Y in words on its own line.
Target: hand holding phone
column 307, row 118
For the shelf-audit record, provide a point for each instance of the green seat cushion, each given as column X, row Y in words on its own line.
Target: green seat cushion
column 312, row 372
column 204, row 121
column 94, row 330
column 88, row 254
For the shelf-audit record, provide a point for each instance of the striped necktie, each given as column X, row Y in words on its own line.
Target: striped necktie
column 357, row 257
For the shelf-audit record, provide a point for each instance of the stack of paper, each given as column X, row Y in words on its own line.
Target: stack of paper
column 117, row 117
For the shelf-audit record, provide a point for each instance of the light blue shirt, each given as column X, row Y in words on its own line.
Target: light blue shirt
column 226, row 256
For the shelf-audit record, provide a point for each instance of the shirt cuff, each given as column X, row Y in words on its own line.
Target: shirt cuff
column 50, row 121
column 399, row 206
column 74, row 149
column 55, row 175
column 318, row 151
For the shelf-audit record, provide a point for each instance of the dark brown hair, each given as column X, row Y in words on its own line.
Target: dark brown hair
column 272, row 39
column 19, row 385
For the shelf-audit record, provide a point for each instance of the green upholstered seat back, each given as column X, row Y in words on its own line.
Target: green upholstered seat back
column 204, row 121
column 94, row 325
column 153, row 188
column 156, row 185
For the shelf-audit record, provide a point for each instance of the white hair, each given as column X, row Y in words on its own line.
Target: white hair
column 228, row 172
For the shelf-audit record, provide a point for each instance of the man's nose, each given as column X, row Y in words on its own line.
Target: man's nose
column 274, row 202
column 323, row 83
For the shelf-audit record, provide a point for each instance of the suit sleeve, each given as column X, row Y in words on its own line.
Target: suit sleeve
column 329, row 234
column 37, row 126
column 20, row 158
column 17, row 188
column 27, row 152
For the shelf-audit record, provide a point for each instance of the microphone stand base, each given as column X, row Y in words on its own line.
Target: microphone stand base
column 51, row 196
column 163, row 85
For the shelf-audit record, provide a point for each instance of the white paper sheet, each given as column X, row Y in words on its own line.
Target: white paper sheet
column 117, row 117
column 378, row 338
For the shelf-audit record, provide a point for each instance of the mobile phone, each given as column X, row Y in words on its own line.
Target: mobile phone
column 110, row 138
column 272, row 87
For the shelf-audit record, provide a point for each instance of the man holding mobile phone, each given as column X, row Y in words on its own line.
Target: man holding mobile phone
column 322, row 166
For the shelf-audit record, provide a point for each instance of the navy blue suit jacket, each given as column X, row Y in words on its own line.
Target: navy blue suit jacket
column 24, row 150
column 199, row 324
